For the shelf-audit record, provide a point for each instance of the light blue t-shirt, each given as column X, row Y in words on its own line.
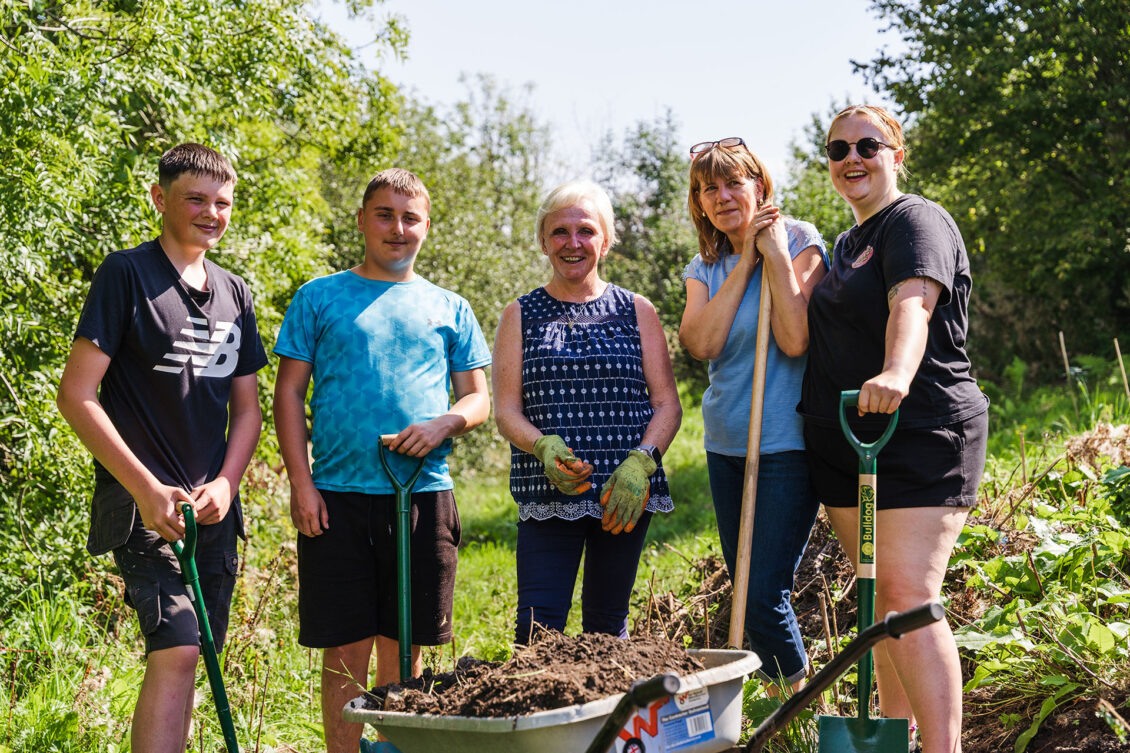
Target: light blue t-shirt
column 726, row 402
column 382, row 356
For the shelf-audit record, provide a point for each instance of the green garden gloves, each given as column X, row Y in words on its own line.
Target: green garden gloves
column 564, row 470
column 626, row 493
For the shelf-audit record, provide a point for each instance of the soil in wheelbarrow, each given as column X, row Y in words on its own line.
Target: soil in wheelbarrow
column 554, row 671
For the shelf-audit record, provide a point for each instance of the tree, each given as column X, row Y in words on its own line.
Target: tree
column 1020, row 114
column 807, row 194
column 91, row 94
column 484, row 163
column 646, row 176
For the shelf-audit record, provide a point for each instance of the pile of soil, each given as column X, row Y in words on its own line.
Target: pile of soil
column 554, row 671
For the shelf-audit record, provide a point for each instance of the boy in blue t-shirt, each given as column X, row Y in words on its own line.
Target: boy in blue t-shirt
column 384, row 348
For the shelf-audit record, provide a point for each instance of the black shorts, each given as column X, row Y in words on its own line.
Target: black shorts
column 933, row 467
column 156, row 590
column 347, row 588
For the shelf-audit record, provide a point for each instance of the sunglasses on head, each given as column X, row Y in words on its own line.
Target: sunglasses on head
column 866, row 148
column 706, row 146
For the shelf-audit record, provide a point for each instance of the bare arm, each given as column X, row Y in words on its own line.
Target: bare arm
column 245, row 422
column 307, row 508
column 78, row 402
column 791, row 281
column 506, row 380
column 911, row 303
column 471, row 408
column 667, row 413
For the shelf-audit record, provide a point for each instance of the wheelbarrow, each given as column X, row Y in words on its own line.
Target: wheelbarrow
column 701, row 710
column 641, row 694
column 698, row 713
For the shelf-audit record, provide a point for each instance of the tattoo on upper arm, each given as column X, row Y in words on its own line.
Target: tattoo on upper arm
column 894, row 291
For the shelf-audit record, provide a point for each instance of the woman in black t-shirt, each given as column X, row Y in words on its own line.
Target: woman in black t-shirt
column 890, row 320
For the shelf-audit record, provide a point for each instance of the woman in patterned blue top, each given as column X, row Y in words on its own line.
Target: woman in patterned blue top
column 584, row 392
column 742, row 236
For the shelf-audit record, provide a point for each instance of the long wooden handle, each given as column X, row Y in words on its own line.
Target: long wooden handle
column 752, row 465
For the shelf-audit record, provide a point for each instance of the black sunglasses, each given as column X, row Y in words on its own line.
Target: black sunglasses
column 866, row 148
column 727, row 143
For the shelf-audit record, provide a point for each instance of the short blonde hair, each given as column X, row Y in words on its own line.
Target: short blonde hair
column 401, row 181
column 724, row 163
column 571, row 194
column 882, row 119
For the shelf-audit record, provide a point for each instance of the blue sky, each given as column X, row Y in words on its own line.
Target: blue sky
column 758, row 70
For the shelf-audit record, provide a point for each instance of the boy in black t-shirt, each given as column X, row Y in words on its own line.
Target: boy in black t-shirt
column 160, row 386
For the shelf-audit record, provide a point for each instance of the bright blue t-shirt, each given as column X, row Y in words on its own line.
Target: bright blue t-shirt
column 726, row 402
column 382, row 356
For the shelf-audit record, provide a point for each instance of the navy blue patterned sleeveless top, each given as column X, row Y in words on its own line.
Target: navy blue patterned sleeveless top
column 582, row 378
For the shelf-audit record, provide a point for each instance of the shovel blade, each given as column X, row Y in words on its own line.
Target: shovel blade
column 840, row 734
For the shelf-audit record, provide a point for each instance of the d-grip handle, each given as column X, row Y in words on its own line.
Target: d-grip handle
column 866, row 450
column 185, row 549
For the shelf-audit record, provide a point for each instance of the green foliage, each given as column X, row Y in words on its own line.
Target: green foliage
column 1058, row 625
column 646, row 176
column 484, row 163
column 90, row 95
column 808, row 193
column 1020, row 412
column 1019, row 113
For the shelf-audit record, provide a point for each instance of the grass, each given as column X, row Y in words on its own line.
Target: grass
column 71, row 657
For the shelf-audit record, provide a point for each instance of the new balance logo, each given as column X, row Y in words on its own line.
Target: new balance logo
column 210, row 354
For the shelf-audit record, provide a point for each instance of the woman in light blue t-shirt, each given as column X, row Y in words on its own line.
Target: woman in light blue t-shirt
column 741, row 234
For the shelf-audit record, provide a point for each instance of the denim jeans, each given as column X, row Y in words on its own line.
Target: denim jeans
column 786, row 509
column 549, row 555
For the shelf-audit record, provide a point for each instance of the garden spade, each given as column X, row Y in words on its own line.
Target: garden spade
column 862, row 734
column 186, row 554
column 403, row 555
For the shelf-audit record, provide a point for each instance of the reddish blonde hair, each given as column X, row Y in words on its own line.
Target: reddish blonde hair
column 882, row 119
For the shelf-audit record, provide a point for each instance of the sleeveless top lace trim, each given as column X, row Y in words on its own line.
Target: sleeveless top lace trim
column 582, row 378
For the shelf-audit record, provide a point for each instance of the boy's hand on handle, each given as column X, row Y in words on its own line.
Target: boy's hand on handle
column 626, row 493
column 417, row 440
column 160, row 511
column 213, row 501
column 564, row 470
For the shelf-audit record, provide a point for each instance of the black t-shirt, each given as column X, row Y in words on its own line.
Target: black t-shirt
column 174, row 352
column 848, row 312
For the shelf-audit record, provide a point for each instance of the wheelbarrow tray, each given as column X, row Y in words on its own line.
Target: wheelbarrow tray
column 571, row 729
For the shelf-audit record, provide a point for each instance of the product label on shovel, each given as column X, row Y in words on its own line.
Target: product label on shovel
column 678, row 724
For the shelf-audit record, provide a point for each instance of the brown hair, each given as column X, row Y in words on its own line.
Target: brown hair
column 882, row 119
column 401, row 181
column 193, row 158
column 725, row 163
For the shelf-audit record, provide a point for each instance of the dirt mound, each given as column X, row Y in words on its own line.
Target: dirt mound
column 554, row 671
column 702, row 620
